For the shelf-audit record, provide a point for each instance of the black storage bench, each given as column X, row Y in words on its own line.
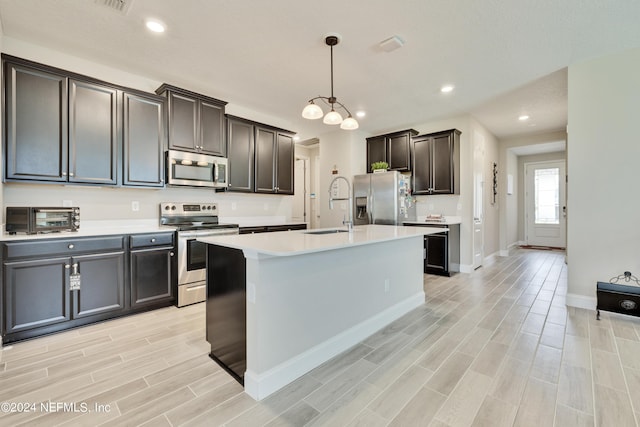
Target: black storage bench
column 618, row 298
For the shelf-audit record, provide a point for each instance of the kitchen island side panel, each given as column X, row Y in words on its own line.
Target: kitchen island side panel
column 303, row 310
column 226, row 308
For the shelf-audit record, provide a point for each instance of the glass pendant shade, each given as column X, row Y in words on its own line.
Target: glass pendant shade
column 312, row 111
column 349, row 124
column 332, row 118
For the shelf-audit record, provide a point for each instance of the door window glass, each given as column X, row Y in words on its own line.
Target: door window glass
column 547, row 196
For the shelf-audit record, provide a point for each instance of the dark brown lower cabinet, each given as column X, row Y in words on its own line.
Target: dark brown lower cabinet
column 151, row 278
column 36, row 294
column 102, row 284
column 436, row 259
column 37, row 277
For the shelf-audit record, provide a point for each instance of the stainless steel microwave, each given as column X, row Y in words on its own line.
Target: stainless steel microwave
column 196, row 170
column 32, row 220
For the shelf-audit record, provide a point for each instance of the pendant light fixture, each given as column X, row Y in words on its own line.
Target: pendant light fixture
column 312, row 111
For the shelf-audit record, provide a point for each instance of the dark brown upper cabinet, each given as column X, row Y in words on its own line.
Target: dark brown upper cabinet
column 261, row 157
column 68, row 128
column 240, row 136
column 436, row 163
column 274, row 161
column 144, row 135
column 196, row 122
column 393, row 148
column 93, row 137
column 58, row 128
column 36, row 123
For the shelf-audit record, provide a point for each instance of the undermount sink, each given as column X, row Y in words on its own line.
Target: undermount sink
column 333, row 231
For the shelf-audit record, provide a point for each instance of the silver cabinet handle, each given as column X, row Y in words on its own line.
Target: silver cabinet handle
column 71, row 246
column 71, row 174
column 153, row 240
column 171, row 254
column 67, row 266
column 64, row 174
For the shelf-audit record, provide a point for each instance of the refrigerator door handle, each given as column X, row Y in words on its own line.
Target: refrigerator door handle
column 371, row 201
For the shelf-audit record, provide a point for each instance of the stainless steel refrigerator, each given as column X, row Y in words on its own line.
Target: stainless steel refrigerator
column 382, row 198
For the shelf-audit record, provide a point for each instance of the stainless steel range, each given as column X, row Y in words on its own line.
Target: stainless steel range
column 193, row 220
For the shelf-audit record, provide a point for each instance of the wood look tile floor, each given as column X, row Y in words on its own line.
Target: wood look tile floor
column 497, row 347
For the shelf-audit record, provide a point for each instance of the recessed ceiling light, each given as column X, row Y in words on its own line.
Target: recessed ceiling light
column 523, row 118
column 296, row 138
column 360, row 114
column 447, row 88
column 155, row 26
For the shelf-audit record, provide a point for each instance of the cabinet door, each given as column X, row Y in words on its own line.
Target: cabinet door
column 36, row 293
column 376, row 150
column 93, row 141
column 284, row 164
column 265, row 160
column 143, row 140
column 241, row 155
column 211, row 129
column 442, row 164
column 36, row 124
column 436, row 257
column 398, row 154
column 421, row 165
column 183, row 119
column 102, row 284
column 152, row 279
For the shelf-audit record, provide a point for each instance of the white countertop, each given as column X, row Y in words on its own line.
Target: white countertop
column 95, row 228
column 289, row 243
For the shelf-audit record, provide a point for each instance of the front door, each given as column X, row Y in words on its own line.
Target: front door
column 545, row 204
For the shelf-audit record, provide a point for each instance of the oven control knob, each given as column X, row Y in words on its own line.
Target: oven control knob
column 173, row 207
column 213, row 207
column 166, row 208
column 204, row 208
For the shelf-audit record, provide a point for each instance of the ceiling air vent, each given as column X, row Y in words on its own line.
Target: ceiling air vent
column 121, row 6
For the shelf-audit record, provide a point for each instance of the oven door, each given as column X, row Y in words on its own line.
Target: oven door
column 192, row 254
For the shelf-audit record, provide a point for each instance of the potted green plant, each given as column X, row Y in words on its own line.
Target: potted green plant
column 377, row 167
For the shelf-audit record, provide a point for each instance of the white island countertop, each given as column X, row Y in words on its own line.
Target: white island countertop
column 300, row 242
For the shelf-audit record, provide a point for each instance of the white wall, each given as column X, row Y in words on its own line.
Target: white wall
column 346, row 152
column 604, row 197
column 491, row 208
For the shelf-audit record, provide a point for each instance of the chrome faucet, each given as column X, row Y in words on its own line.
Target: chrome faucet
column 349, row 223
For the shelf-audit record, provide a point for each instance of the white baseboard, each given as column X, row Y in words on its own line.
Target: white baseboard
column 488, row 260
column 581, row 301
column 261, row 386
column 466, row 268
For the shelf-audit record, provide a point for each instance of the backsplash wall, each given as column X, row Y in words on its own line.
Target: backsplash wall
column 104, row 203
column 448, row 205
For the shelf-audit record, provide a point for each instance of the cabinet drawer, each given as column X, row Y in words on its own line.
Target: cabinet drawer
column 151, row 239
column 60, row 247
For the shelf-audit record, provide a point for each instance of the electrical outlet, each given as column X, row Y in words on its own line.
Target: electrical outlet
column 67, row 203
column 386, row 285
column 234, row 206
column 135, row 206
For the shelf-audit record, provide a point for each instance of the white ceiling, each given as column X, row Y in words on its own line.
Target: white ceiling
column 505, row 57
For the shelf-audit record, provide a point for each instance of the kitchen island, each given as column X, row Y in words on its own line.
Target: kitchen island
column 280, row 304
